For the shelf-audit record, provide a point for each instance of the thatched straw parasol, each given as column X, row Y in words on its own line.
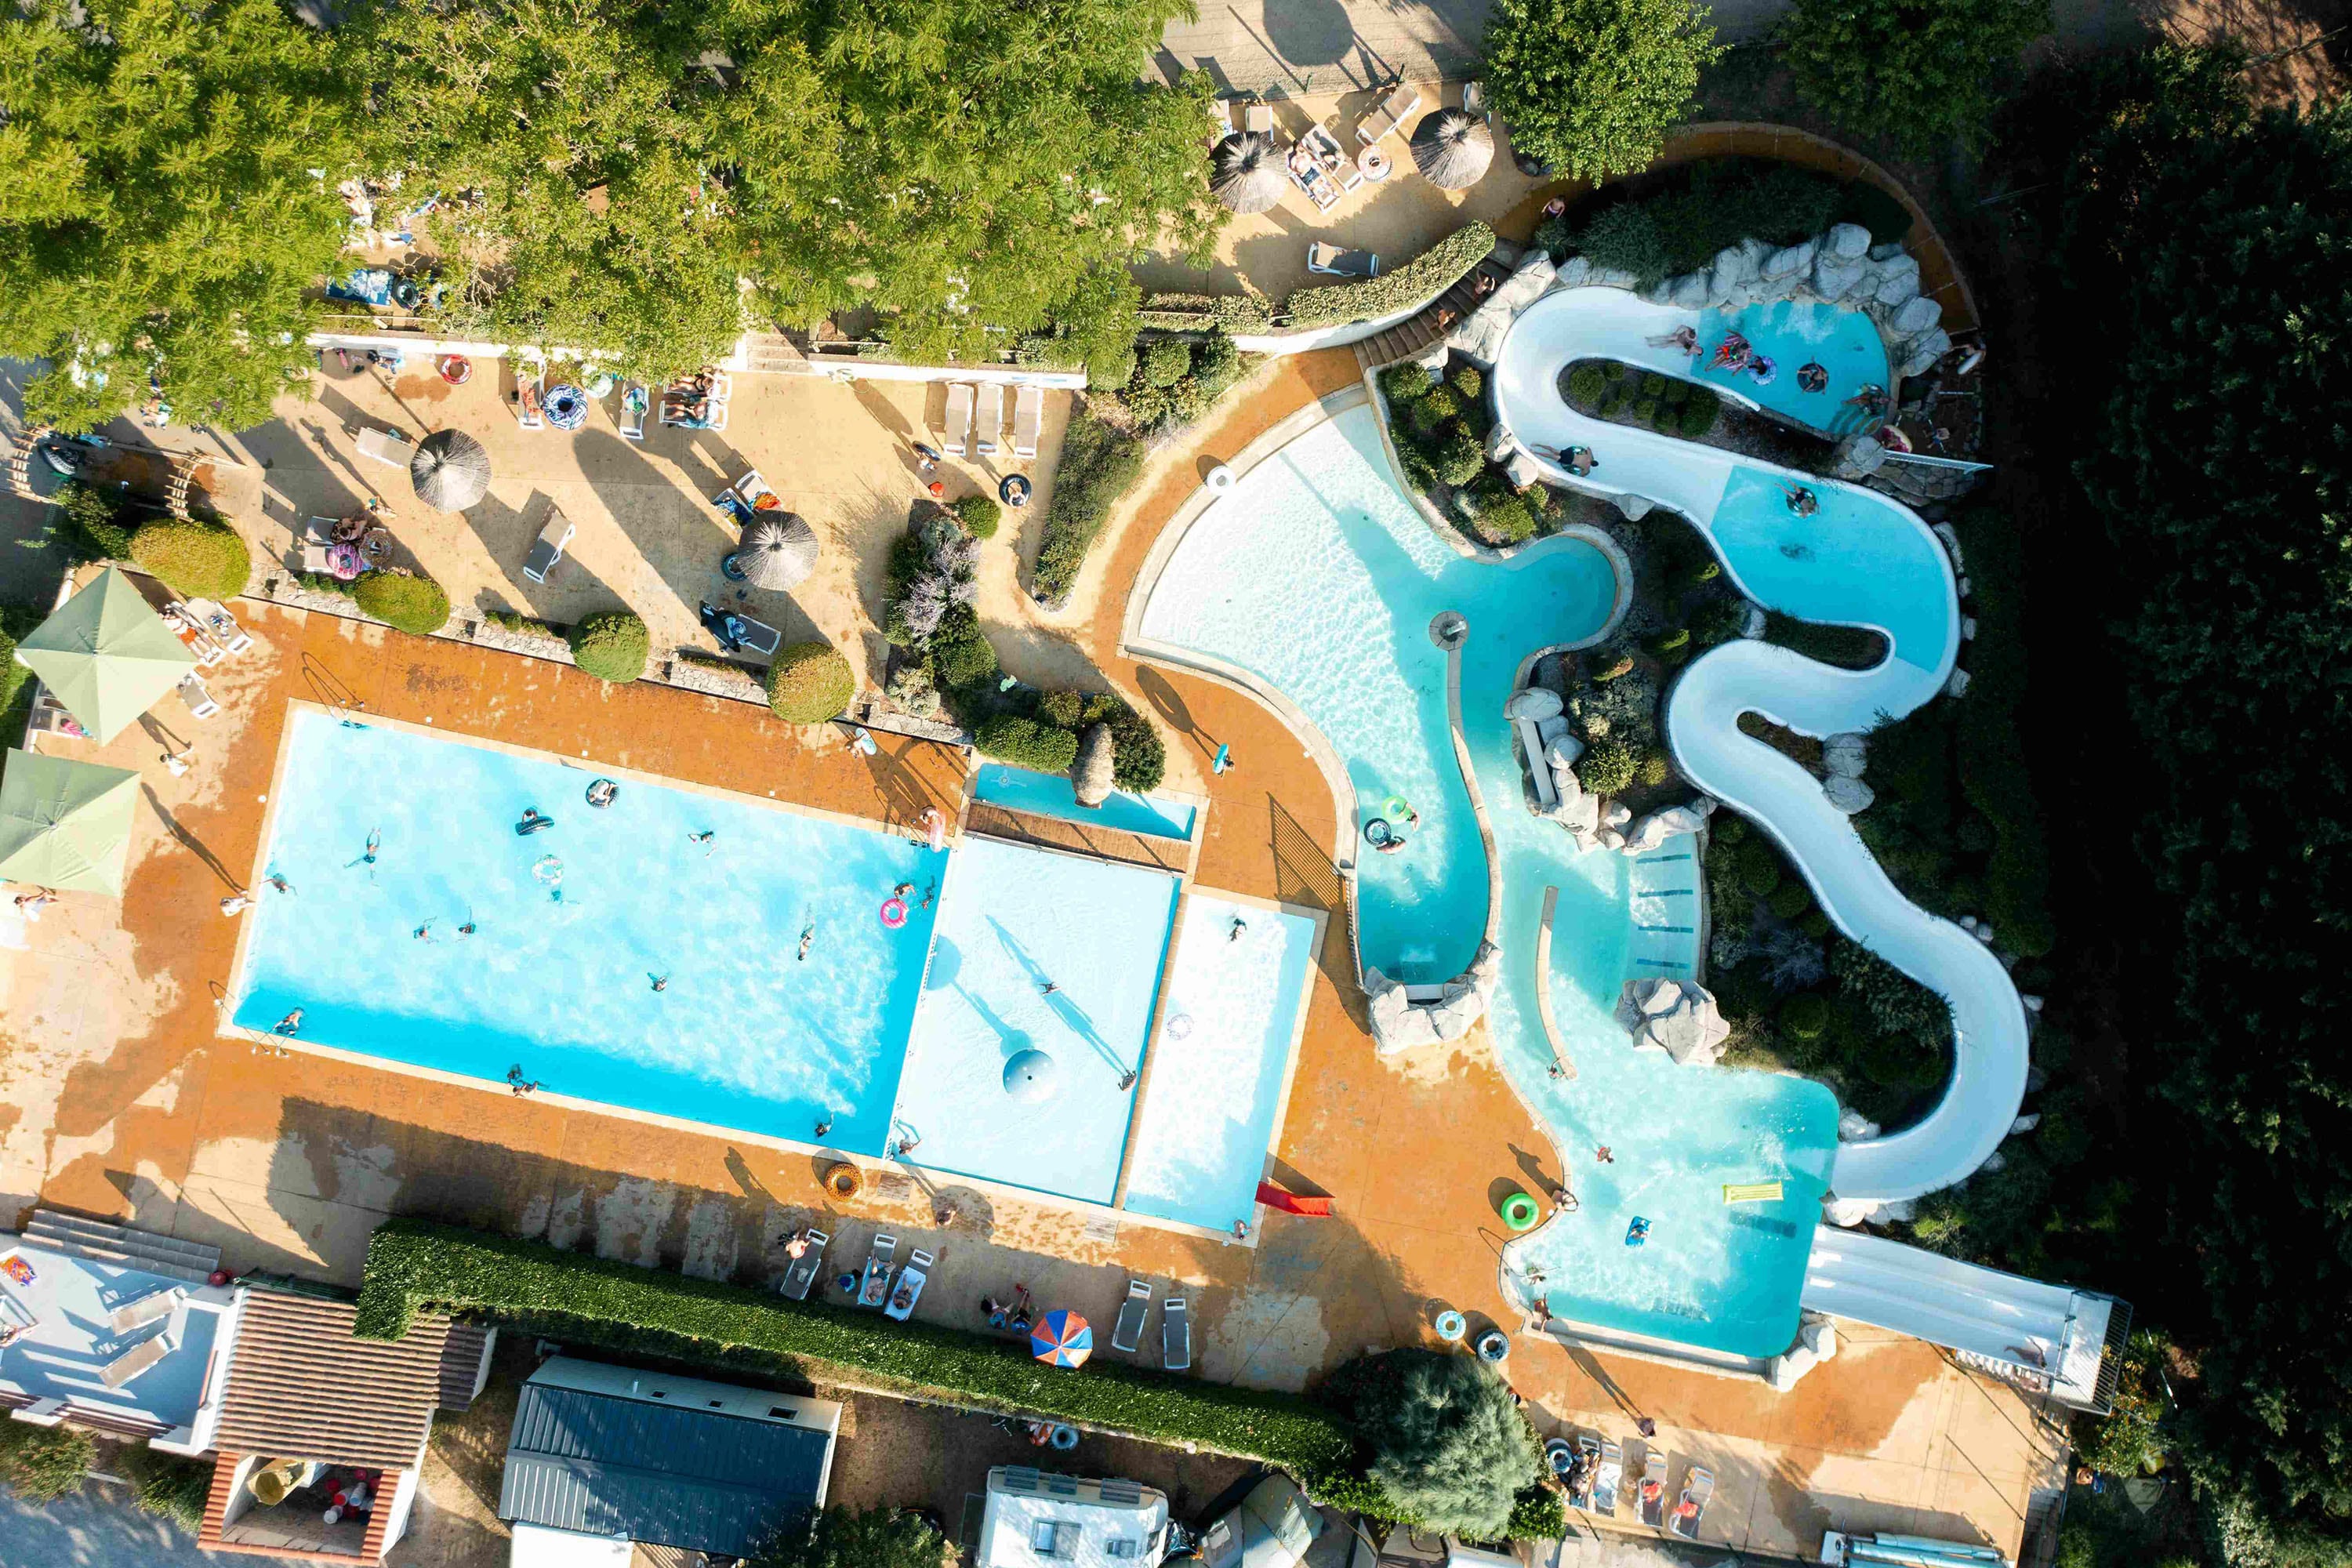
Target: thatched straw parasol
column 778, row 553
column 1452, row 149
column 450, row 472
column 1091, row 774
column 1245, row 173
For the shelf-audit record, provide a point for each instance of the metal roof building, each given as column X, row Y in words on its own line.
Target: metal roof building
column 612, row 1453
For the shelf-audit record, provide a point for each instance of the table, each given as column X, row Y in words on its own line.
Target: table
column 1374, row 164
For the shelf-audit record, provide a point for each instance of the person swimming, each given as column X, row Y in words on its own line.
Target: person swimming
column 1802, row 501
column 423, row 932
column 808, row 939
column 277, row 880
column 903, row 890
column 468, row 928
column 704, row 838
column 290, row 1024
column 1233, row 933
column 661, row 981
column 375, row 843
column 1684, row 338
column 1813, row 376
column 930, row 892
column 601, row 793
column 533, row 821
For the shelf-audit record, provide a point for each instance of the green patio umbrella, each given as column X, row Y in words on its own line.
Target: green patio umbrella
column 64, row 824
column 106, row 655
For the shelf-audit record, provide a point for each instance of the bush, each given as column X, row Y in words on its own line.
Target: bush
column 1449, row 1447
column 1216, row 363
column 1586, row 382
column 809, row 683
column 1416, row 283
column 881, row 1537
column 911, row 688
column 43, row 1464
column 1625, row 238
column 1026, row 743
column 1607, row 767
column 1805, row 1015
column 1698, row 414
column 1918, row 77
column 1790, row 900
column 1468, row 384
column 611, row 646
column 196, row 560
column 1666, row 419
column 1847, row 648
column 1654, row 769
column 1139, row 756
column 962, row 655
column 978, row 514
column 1167, row 362
column 1507, row 522
column 1406, row 384
column 1099, row 462
column 1653, row 385
column 90, row 523
column 1759, row 867
column 1247, row 311
column 1063, row 709
column 403, row 601
column 1590, row 87
column 1645, row 412
column 1439, row 402
column 1459, row 457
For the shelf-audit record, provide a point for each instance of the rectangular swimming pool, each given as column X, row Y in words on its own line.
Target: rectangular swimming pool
column 1051, row 794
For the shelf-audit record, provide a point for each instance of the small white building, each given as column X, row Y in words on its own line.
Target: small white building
column 1036, row 1520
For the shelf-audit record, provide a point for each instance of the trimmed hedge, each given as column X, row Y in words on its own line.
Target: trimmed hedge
column 1248, row 312
column 196, row 560
column 979, row 515
column 809, row 683
column 1167, row 362
column 1847, row 648
column 1417, row 282
column 1099, row 462
column 1011, row 738
column 403, row 602
column 611, row 646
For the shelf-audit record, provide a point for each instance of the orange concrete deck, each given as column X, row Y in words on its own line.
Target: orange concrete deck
column 122, row 1101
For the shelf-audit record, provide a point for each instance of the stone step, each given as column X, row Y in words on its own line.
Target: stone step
column 102, row 1241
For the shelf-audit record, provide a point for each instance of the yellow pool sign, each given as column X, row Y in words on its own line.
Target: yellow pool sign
column 1751, row 1192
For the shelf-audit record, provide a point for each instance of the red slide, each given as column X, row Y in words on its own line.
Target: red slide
column 1274, row 1197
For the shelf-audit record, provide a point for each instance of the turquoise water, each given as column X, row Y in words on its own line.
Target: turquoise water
column 1012, row 922
column 1317, row 576
column 1051, row 794
column 744, row 1037
column 1855, row 560
column 1843, row 342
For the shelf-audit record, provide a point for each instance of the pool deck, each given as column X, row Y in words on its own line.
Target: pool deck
column 122, row 1101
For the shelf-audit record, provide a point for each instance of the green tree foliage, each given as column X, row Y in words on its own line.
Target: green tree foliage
column 810, row 682
column 1590, row 87
column 2126, row 1440
column 2204, row 242
column 1026, row 743
column 611, row 646
column 198, row 559
column 876, row 1538
column 159, row 213
column 1917, row 73
column 1167, row 362
column 1448, row 1447
column 88, row 522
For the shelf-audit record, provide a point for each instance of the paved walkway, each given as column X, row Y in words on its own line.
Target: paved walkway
column 96, row 1527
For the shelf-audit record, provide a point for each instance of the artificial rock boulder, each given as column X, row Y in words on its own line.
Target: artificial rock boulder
column 1660, row 826
column 1536, row 702
column 1849, row 795
column 1400, row 1023
column 1845, row 754
column 1675, row 1016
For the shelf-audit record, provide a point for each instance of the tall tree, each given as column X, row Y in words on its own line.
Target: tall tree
column 1448, row 1447
column 168, row 198
column 1917, row 73
column 1591, row 87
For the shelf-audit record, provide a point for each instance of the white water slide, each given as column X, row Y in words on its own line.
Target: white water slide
column 1883, row 569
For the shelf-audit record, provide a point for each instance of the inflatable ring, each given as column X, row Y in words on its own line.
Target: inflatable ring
column 548, row 869
column 1066, row 1437
column 894, row 912
column 600, row 793
column 1014, row 490
column 1518, row 1211
column 1378, row 832
column 1452, row 1326
column 1179, row 1026
column 1494, row 1346
column 1562, row 1454
column 1219, row 480
column 844, row 1182
column 1395, row 805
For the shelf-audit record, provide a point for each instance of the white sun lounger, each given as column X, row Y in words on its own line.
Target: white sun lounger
column 992, row 417
column 192, row 634
column 1607, row 1478
column 386, row 447
column 138, row 1358
column 152, row 1308
column 910, row 1289
column 1128, row 1333
column 635, row 398
column 200, row 702
column 1389, row 115
column 806, row 1267
column 1259, row 118
column 219, row 624
column 531, row 373
column 1176, row 1335
column 1698, row 1488
column 1028, row 416
column 547, row 550
column 1587, row 1450
column 1650, row 1497
column 959, row 432
column 874, row 1285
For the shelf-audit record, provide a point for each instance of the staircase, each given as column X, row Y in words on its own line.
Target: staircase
column 772, row 354
column 1411, row 339
column 101, row 1241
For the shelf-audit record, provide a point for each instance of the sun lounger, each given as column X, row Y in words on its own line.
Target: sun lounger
column 739, row 633
column 1606, row 1479
column 992, row 419
column 1259, row 119
column 1176, row 1335
column 388, row 446
column 1221, row 120
column 806, row 1267
column 874, row 1285
column 1028, row 416
column 910, row 1289
column 959, row 432
column 16, row 1319
column 152, row 1308
column 635, row 401
column 531, row 373
column 138, row 1358
column 1334, row 262
column 1588, row 1453
column 50, row 718
column 1389, row 115
column 200, row 702
column 219, row 624
column 548, row 548
column 1650, row 1496
column 201, row 647
column 1128, row 1333
column 1698, row 1488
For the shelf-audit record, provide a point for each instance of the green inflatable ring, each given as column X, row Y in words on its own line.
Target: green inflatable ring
column 1518, row 1211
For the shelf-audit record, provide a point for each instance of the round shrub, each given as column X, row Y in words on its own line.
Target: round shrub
column 1063, row 709
column 1759, row 867
column 1139, row 756
column 611, row 646
column 196, row 560
column 1459, row 457
column 1666, row 420
column 1806, row 1015
column 1653, row 385
column 1507, row 522
column 1405, row 382
column 961, row 654
column 1148, row 405
column 1607, row 767
column 1790, row 900
column 979, row 515
column 1112, row 375
column 1187, row 401
column 1024, row 742
column 1613, row 398
column 1697, row 416
column 1167, row 362
column 810, row 682
column 1816, row 924
column 88, row 522
column 1216, row 362
column 1586, row 382
column 1645, row 412
column 1441, row 403
column 1469, row 382
column 1728, row 828
column 1654, row 769
column 403, row 601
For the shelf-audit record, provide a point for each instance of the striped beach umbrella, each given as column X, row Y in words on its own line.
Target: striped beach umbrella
column 1062, row 1339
